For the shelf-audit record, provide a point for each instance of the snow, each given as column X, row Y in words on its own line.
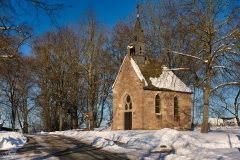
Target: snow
column 216, row 121
column 11, row 140
column 220, row 143
column 129, row 47
column 138, row 71
column 148, row 144
column 169, row 80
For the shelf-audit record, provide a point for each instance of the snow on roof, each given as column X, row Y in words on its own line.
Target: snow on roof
column 138, row 72
column 168, row 80
column 215, row 121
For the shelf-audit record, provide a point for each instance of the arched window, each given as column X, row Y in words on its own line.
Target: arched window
column 157, row 104
column 128, row 102
column 176, row 108
column 135, row 38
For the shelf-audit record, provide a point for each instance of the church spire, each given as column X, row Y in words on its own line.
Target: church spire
column 138, row 41
column 138, row 34
column 137, row 10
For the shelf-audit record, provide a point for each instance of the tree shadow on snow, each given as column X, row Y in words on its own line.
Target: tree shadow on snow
column 238, row 137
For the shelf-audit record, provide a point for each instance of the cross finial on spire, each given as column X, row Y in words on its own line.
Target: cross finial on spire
column 137, row 10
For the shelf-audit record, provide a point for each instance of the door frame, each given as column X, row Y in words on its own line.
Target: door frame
column 127, row 120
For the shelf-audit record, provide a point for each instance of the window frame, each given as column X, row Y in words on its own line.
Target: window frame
column 158, row 101
column 127, row 102
column 176, row 107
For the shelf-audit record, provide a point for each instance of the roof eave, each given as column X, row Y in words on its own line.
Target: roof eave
column 164, row 89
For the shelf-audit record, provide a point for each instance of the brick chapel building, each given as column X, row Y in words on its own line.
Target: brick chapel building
column 146, row 94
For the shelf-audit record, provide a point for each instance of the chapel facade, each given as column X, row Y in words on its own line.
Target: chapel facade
column 146, row 94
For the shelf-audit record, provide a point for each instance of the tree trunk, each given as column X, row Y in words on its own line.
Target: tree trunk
column 25, row 123
column 47, row 115
column 206, row 90
column 87, row 121
column 25, row 114
column 75, row 120
column 60, row 117
column 206, row 97
column 13, row 117
column 90, row 95
column 91, row 117
column 236, row 107
column 48, row 120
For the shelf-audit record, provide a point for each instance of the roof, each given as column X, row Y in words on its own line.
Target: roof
column 158, row 77
column 138, row 31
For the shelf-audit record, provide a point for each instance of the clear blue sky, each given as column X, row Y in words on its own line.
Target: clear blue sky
column 108, row 11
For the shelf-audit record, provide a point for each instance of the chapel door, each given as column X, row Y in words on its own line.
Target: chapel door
column 128, row 120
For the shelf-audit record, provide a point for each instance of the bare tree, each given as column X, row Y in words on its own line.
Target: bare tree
column 93, row 62
column 12, row 24
column 216, row 29
column 228, row 100
column 10, row 71
column 57, row 72
column 26, row 93
column 207, row 33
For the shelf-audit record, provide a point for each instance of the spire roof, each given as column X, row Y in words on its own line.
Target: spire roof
column 138, row 34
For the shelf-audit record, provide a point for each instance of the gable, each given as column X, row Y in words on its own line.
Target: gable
column 119, row 71
column 128, row 73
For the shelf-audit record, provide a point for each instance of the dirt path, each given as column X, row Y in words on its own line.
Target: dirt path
column 61, row 147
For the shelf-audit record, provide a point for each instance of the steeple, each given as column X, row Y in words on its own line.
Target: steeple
column 138, row 41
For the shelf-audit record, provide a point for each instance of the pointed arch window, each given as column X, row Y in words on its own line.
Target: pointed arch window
column 176, row 107
column 128, row 102
column 157, row 104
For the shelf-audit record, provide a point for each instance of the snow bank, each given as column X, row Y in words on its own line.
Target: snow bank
column 10, row 140
column 172, row 140
column 149, row 144
column 220, row 143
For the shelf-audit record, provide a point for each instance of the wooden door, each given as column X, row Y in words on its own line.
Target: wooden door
column 128, row 120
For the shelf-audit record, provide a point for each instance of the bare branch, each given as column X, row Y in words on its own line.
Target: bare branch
column 229, row 35
column 176, row 69
column 205, row 61
column 218, row 67
column 6, row 56
column 225, row 84
column 236, row 99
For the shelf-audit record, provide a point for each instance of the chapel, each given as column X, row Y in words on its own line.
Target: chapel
column 146, row 94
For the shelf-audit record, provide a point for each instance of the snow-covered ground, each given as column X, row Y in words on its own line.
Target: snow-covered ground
column 220, row 143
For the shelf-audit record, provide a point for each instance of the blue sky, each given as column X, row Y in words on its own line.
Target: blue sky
column 108, row 11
